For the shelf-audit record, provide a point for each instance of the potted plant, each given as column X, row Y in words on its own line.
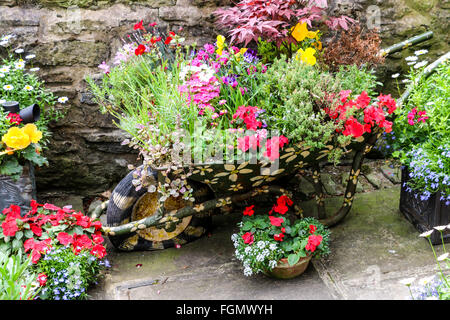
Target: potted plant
column 277, row 244
column 421, row 141
column 26, row 108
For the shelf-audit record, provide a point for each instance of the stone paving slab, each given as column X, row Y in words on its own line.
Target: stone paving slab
column 372, row 249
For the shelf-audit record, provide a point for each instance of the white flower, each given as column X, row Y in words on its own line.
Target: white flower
column 7, row 37
column 411, row 63
column 247, row 250
column 411, row 58
column 19, row 65
column 2, row 75
column 273, row 246
column 4, row 69
column 406, row 81
column 440, row 228
column 63, row 99
column 18, row 51
column 260, row 244
column 272, row 264
column 28, row 88
column 426, row 233
column 420, row 52
column 34, row 69
column 426, row 280
column 3, row 43
column 421, row 64
column 8, row 87
column 396, row 75
column 30, row 56
column 407, row 281
column 442, row 257
column 234, row 237
column 248, row 271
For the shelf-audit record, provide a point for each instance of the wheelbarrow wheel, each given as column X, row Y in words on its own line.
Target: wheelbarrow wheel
column 127, row 205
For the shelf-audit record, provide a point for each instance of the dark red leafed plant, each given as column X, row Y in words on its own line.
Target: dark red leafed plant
column 271, row 20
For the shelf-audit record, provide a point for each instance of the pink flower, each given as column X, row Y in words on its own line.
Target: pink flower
column 103, row 66
column 248, row 238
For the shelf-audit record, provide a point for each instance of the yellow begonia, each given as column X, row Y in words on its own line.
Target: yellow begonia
column 16, row 138
column 300, row 31
column 306, row 56
column 220, row 44
column 32, row 131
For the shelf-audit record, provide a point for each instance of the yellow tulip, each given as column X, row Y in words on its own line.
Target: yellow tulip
column 16, row 138
column 32, row 131
column 306, row 56
column 300, row 31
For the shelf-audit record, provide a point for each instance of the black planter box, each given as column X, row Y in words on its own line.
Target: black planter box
column 424, row 215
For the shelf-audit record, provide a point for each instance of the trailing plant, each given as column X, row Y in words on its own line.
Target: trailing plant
column 421, row 139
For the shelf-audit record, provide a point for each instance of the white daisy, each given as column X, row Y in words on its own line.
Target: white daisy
column 407, row 281
column 406, row 81
column 3, row 43
column 421, row 64
column 28, row 88
column 426, row 233
column 411, row 58
column 7, row 37
column 63, row 99
column 440, row 228
column 8, row 87
column 4, row 69
column 396, row 75
column 34, row 69
column 18, row 51
column 2, row 75
column 30, row 56
column 442, row 257
column 411, row 63
column 420, row 52
column 19, row 65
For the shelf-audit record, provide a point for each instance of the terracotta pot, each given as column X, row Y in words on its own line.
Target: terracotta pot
column 285, row 271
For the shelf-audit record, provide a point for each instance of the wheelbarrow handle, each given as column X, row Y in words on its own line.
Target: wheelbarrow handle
column 407, row 43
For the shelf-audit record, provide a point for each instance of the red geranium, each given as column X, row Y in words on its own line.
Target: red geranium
column 278, row 237
column 276, row 221
column 249, row 211
column 42, row 279
column 139, row 26
column 99, row 251
column 140, row 50
column 313, row 242
column 14, row 118
column 312, row 228
column 248, row 238
column 282, row 204
column 64, row 238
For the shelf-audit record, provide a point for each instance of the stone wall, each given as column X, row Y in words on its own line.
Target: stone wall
column 72, row 37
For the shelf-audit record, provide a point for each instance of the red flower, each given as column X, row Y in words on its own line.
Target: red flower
column 313, row 242
column 363, row 100
column 99, row 251
column 83, row 221
column 249, row 211
column 82, row 241
column 153, row 40
column 36, row 230
column 152, row 24
column 312, row 228
column 282, row 203
column 353, row 128
column 278, row 237
column 139, row 26
column 388, row 102
column 248, row 238
column 9, row 227
column 49, row 206
column 97, row 224
column 97, row 238
column 276, row 221
column 139, row 50
column 64, row 238
column 283, row 230
column 168, row 39
column 14, row 118
column 42, row 279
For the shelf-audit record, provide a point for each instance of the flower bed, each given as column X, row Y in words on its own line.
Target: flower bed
column 64, row 248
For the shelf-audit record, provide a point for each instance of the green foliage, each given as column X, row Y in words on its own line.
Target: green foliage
column 17, row 281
